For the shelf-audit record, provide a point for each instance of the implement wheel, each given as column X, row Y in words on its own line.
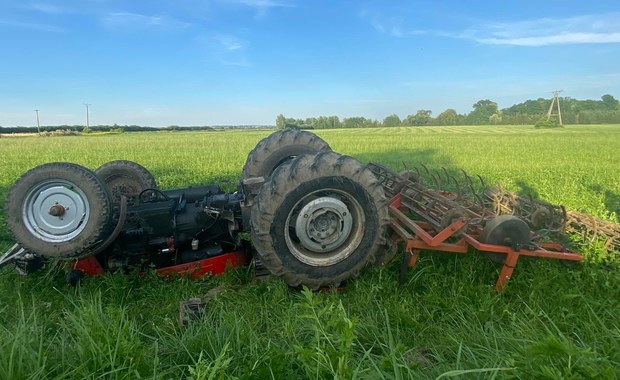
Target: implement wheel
column 507, row 230
column 319, row 220
column 126, row 178
column 278, row 148
column 59, row 210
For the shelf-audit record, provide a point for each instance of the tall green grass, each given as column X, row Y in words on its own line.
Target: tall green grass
column 446, row 321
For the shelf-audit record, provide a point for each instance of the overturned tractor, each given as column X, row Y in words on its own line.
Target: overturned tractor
column 315, row 217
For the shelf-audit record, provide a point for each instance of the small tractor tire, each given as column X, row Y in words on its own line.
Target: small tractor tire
column 59, row 210
column 505, row 230
column 278, row 148
column 126, row 178
column 319, row 220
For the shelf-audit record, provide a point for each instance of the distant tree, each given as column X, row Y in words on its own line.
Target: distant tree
column 310, row 123
column 483, row 109
column 496, row 118
column 610, row 102
column 391, row 121
column 328, row 122
column 447, row 117
column 354, row 122
column 422, row 117
column 280, row 122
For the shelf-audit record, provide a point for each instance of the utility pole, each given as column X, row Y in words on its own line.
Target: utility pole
column 555, row 100
column 38, row 126
column 87, row 120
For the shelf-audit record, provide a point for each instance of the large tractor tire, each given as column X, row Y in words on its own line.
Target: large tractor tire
column 319, row 220
column 278, row 148
column 126, row 178
column 59, row 210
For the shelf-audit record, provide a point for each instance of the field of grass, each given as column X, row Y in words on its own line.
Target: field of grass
column 445, row 322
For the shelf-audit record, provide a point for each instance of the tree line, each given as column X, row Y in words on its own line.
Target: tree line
column 484, row 112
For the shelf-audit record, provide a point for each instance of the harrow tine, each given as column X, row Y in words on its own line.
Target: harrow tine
column 459, row 193
column 471, row 187
column 483, row 210
column 467, row 176
column 446, row 172
column 426, row 169
column 436, row 181
column 420, row 180
column 405, row 165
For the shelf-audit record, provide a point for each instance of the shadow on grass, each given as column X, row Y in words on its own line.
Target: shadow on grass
column 404, row 159
column 611, row 199
column 525, row 189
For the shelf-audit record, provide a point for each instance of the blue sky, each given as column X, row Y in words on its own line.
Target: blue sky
column 213, row 62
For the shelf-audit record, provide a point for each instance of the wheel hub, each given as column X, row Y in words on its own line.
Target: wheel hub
column 323, row 224
column 55, row 212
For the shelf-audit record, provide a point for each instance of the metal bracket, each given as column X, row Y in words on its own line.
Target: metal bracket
column 15, row 252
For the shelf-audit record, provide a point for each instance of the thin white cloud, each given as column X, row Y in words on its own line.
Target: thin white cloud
column 228, row 42
column 227, row 49
column 392, row 26
column 136, row 21
column 35, row 26
column 586, row 29
column 264, row 4
column 45, row 7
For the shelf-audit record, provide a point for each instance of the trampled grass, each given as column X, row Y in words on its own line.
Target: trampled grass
column 445, row 322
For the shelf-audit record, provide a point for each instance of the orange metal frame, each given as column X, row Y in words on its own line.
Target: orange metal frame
column 419, row 235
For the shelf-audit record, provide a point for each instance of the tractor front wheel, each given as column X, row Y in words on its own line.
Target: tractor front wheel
column 126, row 178
column 59, row 210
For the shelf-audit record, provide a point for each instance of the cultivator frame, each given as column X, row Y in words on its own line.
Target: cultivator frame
column 441, row 221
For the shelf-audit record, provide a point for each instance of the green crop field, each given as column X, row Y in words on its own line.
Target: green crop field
column 446, row 321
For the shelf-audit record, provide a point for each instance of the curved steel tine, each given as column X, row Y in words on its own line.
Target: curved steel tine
column 426, row 169
column 446, row 173
column 459, row 193
column 467, row 176
column 482, row 208
column 436, row 181
column 441, row 180
column 482, row 183
column 472, row 188
column 420, row 180
column 404, row 165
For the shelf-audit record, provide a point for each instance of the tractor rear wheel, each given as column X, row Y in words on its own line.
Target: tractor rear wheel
column 278, row 148
column 126, row 178
column 319, row 220
column 59, row 210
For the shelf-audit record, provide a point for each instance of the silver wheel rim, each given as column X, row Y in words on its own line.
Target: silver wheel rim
column 55, row 211
column 324, row 227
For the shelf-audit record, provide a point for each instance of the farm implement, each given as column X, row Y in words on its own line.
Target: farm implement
column 315, row 218
column 502, row 224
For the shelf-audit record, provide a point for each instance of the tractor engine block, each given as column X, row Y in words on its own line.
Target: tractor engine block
column 175, row 227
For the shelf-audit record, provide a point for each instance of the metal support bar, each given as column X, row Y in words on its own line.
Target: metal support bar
column 15, row 252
